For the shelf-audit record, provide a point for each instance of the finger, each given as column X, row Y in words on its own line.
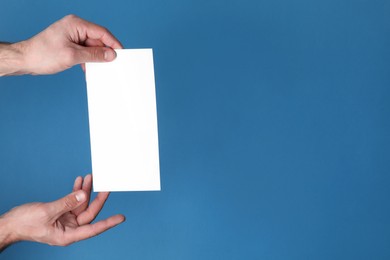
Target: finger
column 93, row 43
column 66, row 204
column 86, row 186
column 97, row 32
column 105, row 36
column 87, row 30
column 93, row 210
column 77, row 186
column 93, row 54
column 92, row 230
column 77, row 183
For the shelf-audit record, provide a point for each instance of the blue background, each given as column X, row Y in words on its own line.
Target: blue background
column 274, row 127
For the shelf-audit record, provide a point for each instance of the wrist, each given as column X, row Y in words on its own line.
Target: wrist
column 12, row 59
column 7, row 236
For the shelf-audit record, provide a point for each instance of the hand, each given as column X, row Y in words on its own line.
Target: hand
column 67, row 42
column 61, row 222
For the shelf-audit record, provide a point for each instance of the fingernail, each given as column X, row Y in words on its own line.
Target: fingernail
column 109, row 55
column 80, row 196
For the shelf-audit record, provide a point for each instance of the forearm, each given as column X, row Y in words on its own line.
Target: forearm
column 6, row 236
column 11, row 59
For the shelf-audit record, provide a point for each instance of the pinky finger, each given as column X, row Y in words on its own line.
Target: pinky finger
column 91, row 230
column 78, row 183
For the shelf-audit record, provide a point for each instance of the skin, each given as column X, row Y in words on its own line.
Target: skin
column 61, row 222
column 62, row 45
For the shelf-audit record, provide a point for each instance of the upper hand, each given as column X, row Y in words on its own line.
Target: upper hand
column 67, row 42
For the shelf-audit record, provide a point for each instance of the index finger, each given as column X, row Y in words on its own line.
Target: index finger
column 88, row 215
column 97, row 32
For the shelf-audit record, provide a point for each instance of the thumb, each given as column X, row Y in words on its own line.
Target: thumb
column 94, row 54
column 67, row 203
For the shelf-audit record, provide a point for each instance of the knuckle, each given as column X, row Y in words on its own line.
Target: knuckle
column 105, row 30
column 69, row 203
column 97, row 53
column 64, row 243
column 59, row 242
column 53, row 243
column 70, row 17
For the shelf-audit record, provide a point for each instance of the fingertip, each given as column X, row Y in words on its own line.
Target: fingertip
column 122, row 218
column 80, row 196
column 118, row 219
column 77, row 183
column 109, row 55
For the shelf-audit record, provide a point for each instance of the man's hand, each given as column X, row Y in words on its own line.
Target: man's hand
column 67, row 42
column 61, row 222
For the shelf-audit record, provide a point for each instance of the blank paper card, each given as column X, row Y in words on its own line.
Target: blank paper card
column 123, row 122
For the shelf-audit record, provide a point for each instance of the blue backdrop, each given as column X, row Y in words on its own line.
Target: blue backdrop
column 274, row 127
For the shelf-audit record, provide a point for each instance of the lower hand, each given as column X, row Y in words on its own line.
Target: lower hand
column 61, row 222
